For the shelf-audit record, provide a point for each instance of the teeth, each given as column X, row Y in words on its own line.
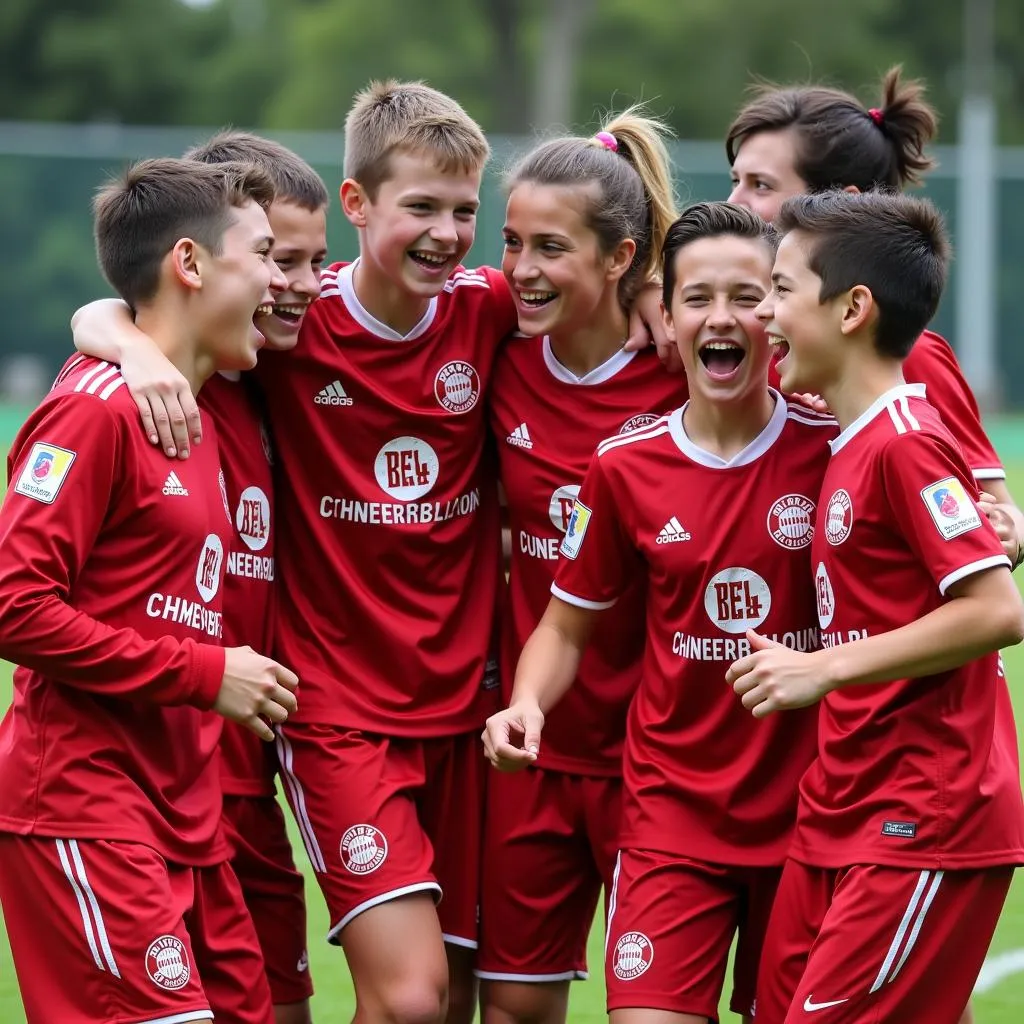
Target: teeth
column 294, row 310
column 777, row 339
column 264, row 309
column 431, row 257
column 721, row 346
column 537, row 296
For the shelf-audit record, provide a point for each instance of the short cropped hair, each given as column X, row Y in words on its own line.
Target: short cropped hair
column 140, row 216
column 895, row 245
column 294, row 180
column 711, row 220
column 408, row 117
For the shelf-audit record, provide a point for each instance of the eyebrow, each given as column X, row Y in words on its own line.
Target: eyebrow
column 778, row 275
column 267, row 241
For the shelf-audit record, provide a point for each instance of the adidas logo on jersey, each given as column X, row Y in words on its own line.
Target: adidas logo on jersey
column 520, row 437
column 672, row 532
column 172, row 485
column 333, row 394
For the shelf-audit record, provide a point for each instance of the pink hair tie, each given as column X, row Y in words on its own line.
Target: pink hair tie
column 608, row 141
column 877, row 116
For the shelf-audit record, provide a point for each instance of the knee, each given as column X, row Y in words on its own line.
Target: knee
column 514, row 1003
column 413, row 1001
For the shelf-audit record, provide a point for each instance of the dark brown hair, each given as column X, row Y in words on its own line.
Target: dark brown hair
column 710, row 220
column 140, row 216
column 892, row 244
column 634, row 196
column 294, row 180
column 839, row 141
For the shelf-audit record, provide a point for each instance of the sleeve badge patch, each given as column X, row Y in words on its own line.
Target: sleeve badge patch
column 579, row 520
column 951, row 508
column 44, row 472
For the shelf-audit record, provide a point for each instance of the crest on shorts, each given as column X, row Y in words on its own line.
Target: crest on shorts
column 167, row 963
column 633, row 954
column 363, row 849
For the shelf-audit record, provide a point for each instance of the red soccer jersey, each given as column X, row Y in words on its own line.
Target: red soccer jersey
column 110, row 600
column 388, row 521
column 919, row 773
column 933, row 363
column 247, row 764
column 724, row 547
column 547, row 423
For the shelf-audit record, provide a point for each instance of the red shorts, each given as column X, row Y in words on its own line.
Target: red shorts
column 872, row 943
column 550, row 841
column 110, row 932
column 382, row 818
column 670, row 927
column 273, row 891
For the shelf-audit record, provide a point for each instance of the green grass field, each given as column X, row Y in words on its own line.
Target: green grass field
column 998, row 1000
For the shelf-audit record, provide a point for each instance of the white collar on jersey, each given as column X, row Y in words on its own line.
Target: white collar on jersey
column 900, row 394
column 751, row 453
column 368, row 321
column 235, row 375
column 598, row 375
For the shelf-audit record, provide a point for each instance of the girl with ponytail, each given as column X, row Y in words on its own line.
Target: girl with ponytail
column 585, row 222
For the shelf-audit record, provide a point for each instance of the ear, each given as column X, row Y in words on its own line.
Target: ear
column 620, row 259
column 859, row 309
column 354, row 202
column 186, row 263
column 852, row 189
column 670, row 327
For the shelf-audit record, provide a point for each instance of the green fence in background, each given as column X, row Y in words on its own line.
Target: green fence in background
column 48, row 174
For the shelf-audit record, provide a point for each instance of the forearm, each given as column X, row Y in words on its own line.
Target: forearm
column 547, row 667
column 952, row 635
column 105, row 329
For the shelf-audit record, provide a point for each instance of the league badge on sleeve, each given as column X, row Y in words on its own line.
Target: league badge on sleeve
column 951, row 508
column 579, row 520
column 44, row 472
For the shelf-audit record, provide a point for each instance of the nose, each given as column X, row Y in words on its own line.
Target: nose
column 765, row 311
column 736, row 195
column 444, row 229
column 307, row 283
column 523, row 267
column 278, row 282
column 721, row 314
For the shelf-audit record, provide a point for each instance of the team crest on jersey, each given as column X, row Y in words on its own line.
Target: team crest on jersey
column 632, row 956
column 838, row 517
column 167, row 963
column 457, row 386
column 560, row 506
column 579, row 520
column 211, row 559
column 825, row 596
column 951, row 508
column 645, row 419
column 406, row 468
column 252, row 518
column 737, row 599
column 45, row 471
column 791, row 521
column 363, row 849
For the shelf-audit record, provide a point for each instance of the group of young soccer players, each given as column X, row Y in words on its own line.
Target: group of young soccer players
column 792, row 729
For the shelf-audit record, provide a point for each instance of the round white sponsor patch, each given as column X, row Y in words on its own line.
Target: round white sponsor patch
column 363, row 849
column 633, row 954
column 838, row 517
column 406, row 468
column 791, row 521
column 737, row 599
column 167, row 963
column 560, row 506
column 252, row 518
column 208, row 571
column 825, row 596
column 457, row 386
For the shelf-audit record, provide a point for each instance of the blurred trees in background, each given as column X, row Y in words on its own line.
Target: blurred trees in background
column 296, row 63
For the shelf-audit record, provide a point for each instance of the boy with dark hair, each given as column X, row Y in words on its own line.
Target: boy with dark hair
column 910, row 820
column 111, row 603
